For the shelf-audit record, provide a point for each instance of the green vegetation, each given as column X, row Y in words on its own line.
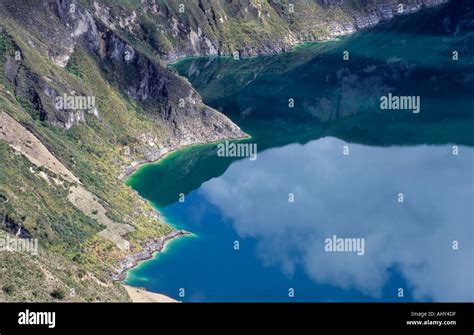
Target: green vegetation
column 93, row 152
column 8, row 289
column 73, row 65
column 33, row 278
column 58, row 294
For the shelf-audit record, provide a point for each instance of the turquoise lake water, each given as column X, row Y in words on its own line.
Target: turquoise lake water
column 333, row 165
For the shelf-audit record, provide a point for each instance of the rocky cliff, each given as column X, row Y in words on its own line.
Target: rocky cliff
column 176, row 29
column 167, row 99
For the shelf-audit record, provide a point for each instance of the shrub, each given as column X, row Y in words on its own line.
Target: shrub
column 8, row 289
column 58, row 294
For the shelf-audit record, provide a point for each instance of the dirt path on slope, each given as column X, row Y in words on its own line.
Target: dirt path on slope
column 24, row 142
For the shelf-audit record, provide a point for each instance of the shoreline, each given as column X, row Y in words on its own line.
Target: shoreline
column 292, row 48
column 332, row 37
column 136, row 165
column 151, row 247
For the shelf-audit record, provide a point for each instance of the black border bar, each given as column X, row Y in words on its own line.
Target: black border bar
column 243, row 315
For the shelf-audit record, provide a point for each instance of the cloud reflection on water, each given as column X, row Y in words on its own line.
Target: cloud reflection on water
column 356, row 196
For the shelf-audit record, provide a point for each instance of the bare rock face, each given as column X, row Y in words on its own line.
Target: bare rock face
column 8, row 224
column 167, row 99
column 78, row 23
column 40, row 94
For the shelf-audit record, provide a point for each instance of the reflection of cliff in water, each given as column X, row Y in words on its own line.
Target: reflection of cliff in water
column 410, row 56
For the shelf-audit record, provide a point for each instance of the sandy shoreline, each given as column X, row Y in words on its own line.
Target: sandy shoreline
column 141, row 295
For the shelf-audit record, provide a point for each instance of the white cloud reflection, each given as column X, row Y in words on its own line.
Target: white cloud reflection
column 356, row 196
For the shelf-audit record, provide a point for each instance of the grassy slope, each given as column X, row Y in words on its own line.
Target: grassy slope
column 93, row 152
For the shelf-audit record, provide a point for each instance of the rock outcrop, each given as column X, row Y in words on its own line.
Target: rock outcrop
column 150, row 247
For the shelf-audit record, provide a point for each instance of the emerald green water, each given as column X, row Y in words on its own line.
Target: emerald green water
column 408, row 245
